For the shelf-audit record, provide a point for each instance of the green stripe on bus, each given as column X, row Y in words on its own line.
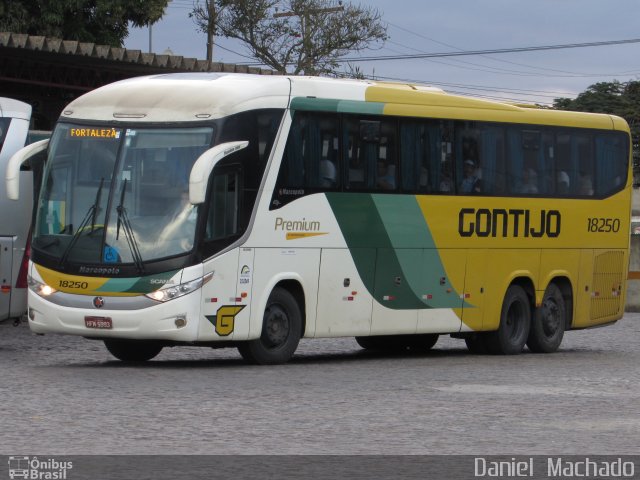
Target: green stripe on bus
column 416, row 250
column 393, row 250
column 332, row 105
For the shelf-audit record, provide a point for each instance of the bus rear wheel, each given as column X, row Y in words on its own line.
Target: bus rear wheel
column 133, row 350
column 547, row 328
column 281, row 331
column 515, row 322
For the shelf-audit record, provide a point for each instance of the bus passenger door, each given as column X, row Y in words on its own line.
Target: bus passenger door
column 344, row 304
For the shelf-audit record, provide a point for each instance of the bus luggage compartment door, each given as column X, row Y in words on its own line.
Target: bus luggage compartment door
column 608, row 278
column 6, row 282
column 344, row 303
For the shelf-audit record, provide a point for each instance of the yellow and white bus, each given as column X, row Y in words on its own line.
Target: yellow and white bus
column 250, row 211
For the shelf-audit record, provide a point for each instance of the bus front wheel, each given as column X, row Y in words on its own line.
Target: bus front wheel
column 515, row 322
column 547, row 327
column 281, row 331
column 133, row 350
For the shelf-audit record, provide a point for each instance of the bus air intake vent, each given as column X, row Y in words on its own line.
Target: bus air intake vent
column 606, row 298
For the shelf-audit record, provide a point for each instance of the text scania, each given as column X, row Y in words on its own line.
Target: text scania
column 500, row 222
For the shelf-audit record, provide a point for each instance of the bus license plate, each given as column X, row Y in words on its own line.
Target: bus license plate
column 98, row 322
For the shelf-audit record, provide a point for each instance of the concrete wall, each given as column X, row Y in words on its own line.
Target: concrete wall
column 633, row 285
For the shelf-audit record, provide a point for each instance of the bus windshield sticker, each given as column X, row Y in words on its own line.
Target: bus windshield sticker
column 94, row 132
column 110, row 255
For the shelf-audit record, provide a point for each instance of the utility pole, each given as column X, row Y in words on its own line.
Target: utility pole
column 150, row 25
column 304, row 18
column 211, row 27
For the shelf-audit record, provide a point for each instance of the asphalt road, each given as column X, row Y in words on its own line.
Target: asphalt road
column 67, row 396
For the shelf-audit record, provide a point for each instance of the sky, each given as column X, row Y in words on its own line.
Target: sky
column 430, row 26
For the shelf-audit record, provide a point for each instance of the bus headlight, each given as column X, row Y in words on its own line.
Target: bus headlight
column 169, row 293
column 40, row 288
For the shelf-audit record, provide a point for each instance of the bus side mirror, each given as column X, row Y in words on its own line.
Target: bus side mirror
column 205, row 164
column 12, row 177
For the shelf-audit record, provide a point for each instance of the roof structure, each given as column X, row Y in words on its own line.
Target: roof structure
column 49, row 72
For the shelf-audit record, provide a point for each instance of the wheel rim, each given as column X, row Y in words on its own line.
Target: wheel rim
column 514, row 324
column 550, row 318
column 276, row 326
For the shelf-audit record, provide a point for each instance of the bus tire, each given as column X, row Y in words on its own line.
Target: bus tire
column 133, row 350
column 281, row 331
column 515, row 322
column 476, row 343
column 422, row 342
column 373, row 342
column 547, row 327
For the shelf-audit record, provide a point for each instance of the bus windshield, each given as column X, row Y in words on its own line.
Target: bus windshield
column 118, row 195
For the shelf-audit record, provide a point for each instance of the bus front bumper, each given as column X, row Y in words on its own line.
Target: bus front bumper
column 175, row 320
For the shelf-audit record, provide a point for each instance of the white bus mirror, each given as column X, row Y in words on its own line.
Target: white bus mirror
column 205, row 164
column 12, row 178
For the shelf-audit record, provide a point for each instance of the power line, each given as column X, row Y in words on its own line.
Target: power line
column 569, row 74
column 231, row 51
column 485, row 52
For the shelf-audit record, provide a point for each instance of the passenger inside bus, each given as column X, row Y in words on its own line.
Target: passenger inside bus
column 563, row 182
column 529, row 181
column 328, row 174
column 471, row 181
column 386, row 176
column 586, row 185
column 446, row 184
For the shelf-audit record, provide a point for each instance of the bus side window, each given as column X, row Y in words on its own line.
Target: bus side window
column 417, row 149
column 369, row 153
column 355, row 153
column 224, row 205
column 310, row 160
column 467, row 154
column 611, row 162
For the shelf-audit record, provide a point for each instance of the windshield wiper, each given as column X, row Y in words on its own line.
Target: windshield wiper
column 123, row 220
column 91, row 214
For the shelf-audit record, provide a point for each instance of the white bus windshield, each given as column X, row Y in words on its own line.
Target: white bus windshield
column 118, row 195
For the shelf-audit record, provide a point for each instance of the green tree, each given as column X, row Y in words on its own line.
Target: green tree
column 617, row 98
column 296, row 36
column 99, row 21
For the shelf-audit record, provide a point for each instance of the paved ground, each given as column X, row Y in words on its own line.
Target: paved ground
column 66, row 395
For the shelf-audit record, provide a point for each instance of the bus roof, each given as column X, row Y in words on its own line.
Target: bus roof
column 14, row 108
column 184, row 97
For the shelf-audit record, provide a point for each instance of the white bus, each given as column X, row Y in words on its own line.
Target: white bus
column 250, row 211
column 15, row 218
